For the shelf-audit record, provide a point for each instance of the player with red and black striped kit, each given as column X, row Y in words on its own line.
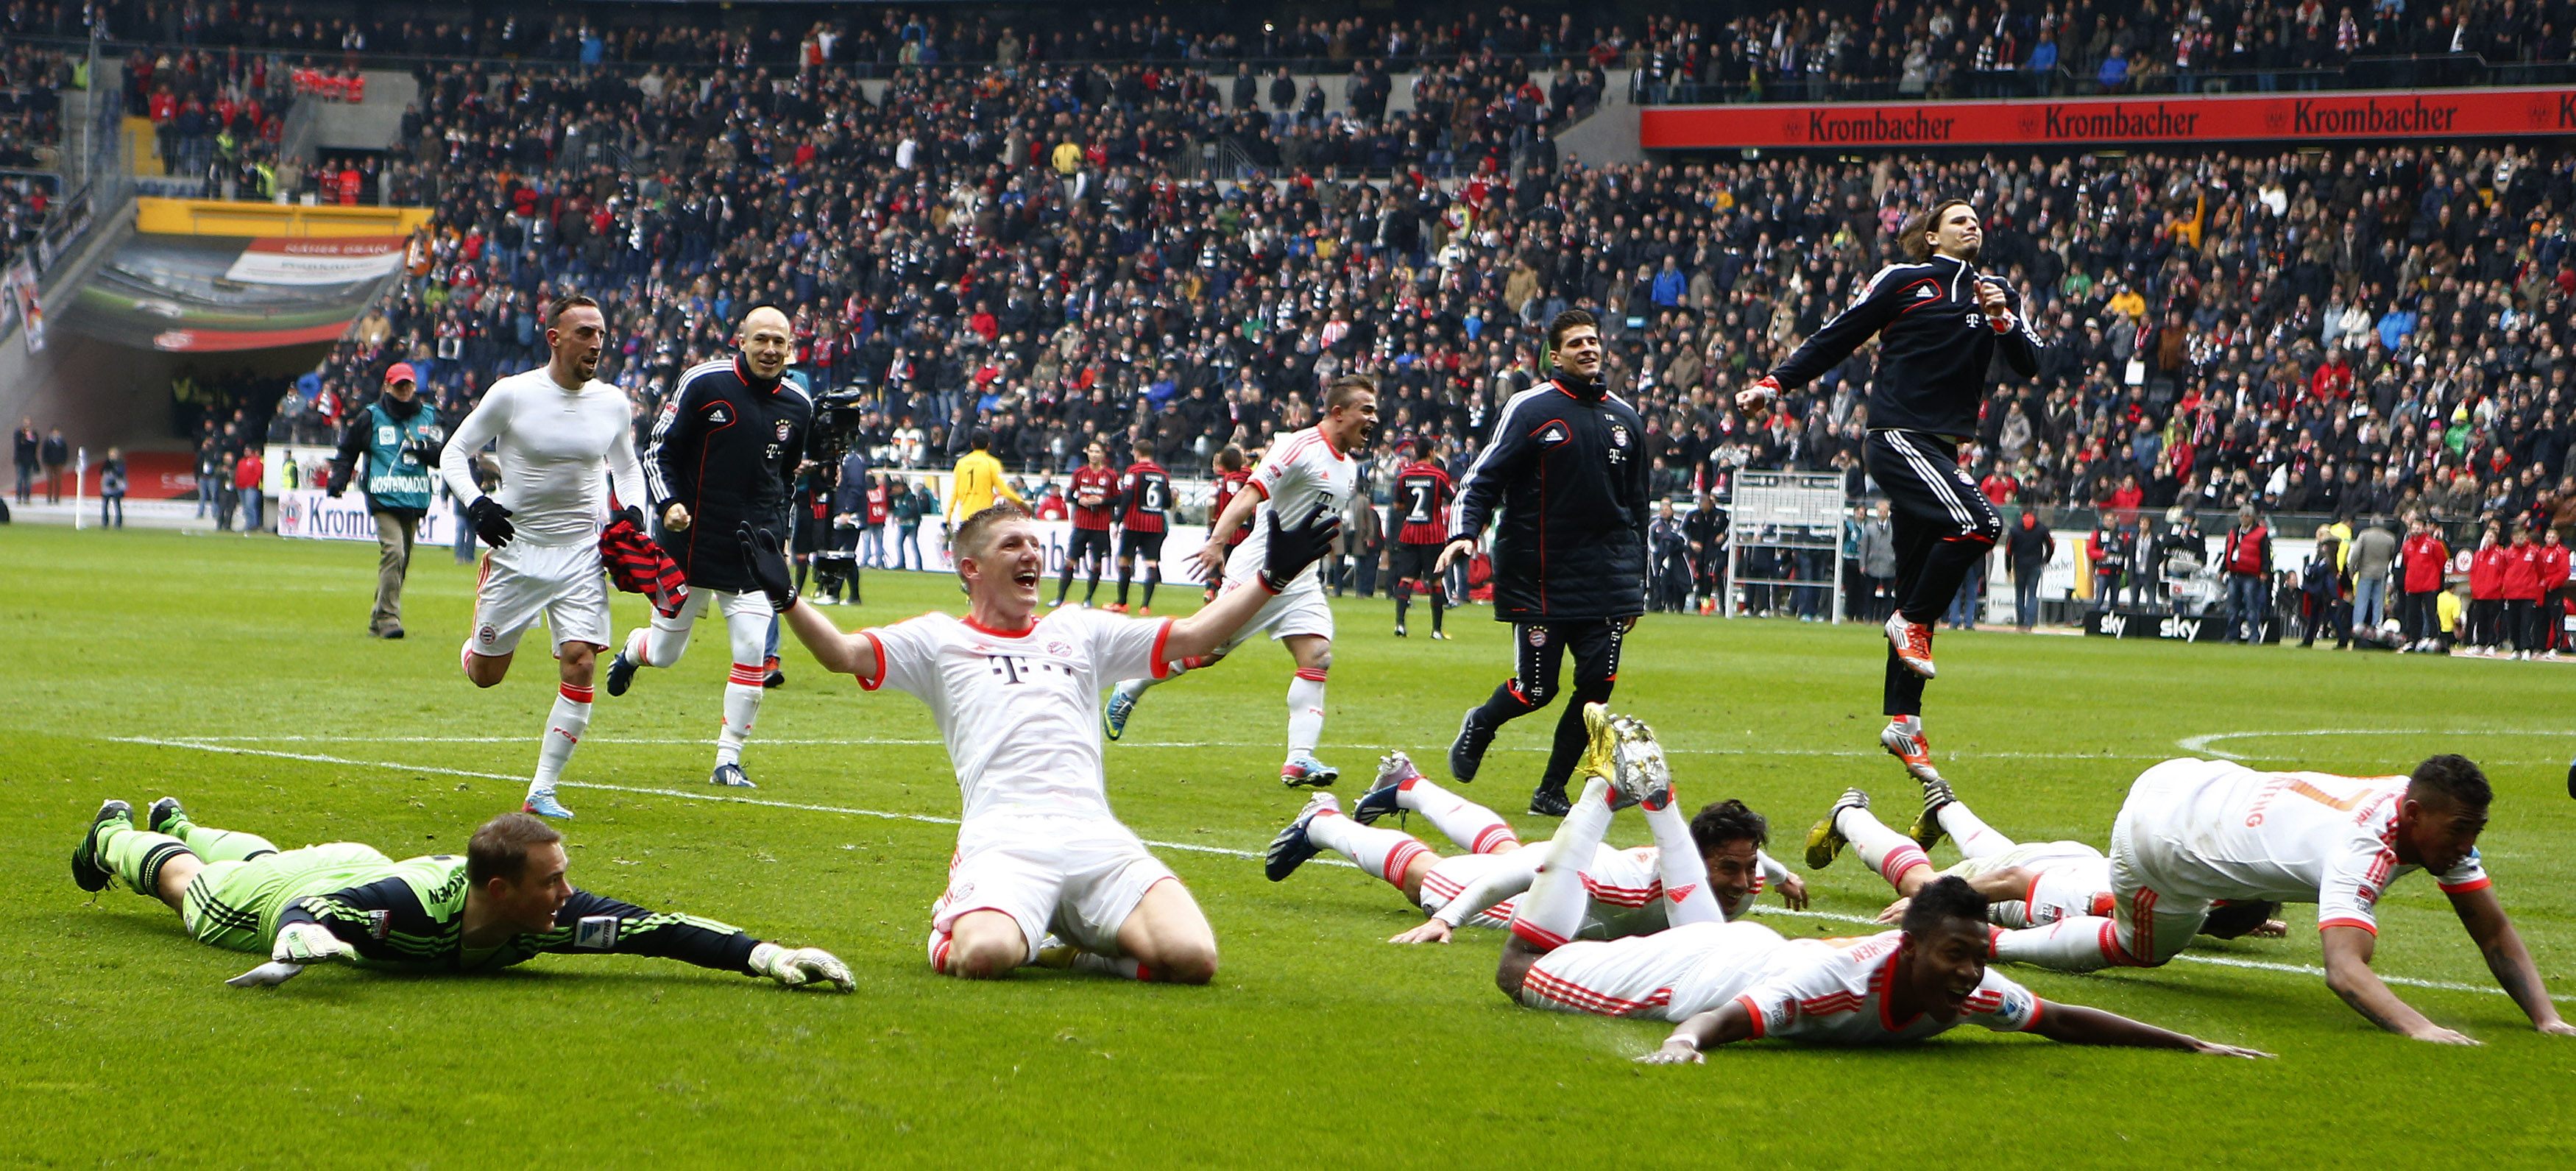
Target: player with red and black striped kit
column 1231, row 476
column 1564, row 480
column 1423, row 493
column 1144, row 507
column 1094, row 493
column 1939, row 324
column 719, row 461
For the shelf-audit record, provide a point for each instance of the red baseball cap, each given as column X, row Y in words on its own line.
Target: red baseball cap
column 400, row 372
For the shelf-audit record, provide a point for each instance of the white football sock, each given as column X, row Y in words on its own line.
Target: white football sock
column 1384, row 853
column 1975, row 838
column 1680, row 868
column 564, row 729
column 1479, row 829
column 2081, row 944
column 1305, row 711
column 741, row 706
column 1551, row 911
column 1884, row 850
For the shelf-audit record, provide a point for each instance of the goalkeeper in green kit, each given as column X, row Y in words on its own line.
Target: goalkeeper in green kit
column 503, row 903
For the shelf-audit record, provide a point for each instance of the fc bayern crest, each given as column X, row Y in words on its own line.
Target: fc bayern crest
column 1618, row 435
column 783, row 428
column 1537, row 636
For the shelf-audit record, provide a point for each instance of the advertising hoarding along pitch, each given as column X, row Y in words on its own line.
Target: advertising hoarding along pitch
column 2416, row 114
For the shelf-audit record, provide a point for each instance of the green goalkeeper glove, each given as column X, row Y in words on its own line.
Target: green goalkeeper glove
column 793, row 967
column 308, row 943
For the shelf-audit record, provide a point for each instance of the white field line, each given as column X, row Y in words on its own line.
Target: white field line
column 2205, row 744
column 1189, row 847
column 863, row 741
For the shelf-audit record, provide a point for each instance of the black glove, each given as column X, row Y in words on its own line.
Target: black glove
column 334, row 485
column 633, row 516
column 767, row 564
column 491, row 521
column 1289, row 551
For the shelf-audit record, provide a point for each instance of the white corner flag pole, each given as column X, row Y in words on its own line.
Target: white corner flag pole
column 80, row 469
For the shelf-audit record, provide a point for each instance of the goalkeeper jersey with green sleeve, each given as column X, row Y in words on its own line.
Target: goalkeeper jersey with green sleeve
column 411, row 915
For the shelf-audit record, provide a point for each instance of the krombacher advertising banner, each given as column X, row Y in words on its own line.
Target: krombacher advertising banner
column 2289, row 117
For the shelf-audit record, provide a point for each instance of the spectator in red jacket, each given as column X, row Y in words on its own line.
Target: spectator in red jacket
column 2421, row 561
column 247, row 473
column 2486, row 592
column 2520, row 586
column 2546, row 616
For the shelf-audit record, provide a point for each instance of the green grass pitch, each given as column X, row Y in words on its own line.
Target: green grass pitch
column 236, row 673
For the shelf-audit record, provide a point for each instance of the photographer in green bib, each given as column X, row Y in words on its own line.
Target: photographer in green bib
column 398, row 436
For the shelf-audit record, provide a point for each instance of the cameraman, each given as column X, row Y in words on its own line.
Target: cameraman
column 399, row 438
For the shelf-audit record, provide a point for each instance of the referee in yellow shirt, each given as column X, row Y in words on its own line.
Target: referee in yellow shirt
column 977, row 483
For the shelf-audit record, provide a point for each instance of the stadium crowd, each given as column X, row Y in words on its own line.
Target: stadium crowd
column 31, row 84
column 2363, row 330
column 2084, row 47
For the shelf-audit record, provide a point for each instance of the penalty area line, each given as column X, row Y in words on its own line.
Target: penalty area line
column 1188, row 847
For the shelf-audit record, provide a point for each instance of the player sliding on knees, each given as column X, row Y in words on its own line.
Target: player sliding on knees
column 721, row 456
column 2197, row 831
column 2030, row 884
column 1301, row 473
column 1626, row 896
column 1723, row 981
column 505, row 902
column 565, row 440
column 1038, row 851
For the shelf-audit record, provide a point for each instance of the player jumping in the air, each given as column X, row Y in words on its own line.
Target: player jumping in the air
column 1038, row 851
column 1477, row 887
column 1302, row 472
column 1422, row 498
column 720, row 458
column 1231, row 478
column 506, row 901
column 1939, row 323
column 1725, row 981
column 1093, row 494
column 565, row 440
column 2196, row 831
column 2029, row 884
column 1144, row 507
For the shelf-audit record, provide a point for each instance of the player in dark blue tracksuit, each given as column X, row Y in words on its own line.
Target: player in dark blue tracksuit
column 1939, row 324
column 1567, row 467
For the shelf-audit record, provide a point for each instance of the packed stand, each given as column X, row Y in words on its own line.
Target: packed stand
column 31, row 83
column 1909, row 51
column 215, row 113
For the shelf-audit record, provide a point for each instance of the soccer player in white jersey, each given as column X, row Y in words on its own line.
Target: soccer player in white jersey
column 2195, row 831
column 1723, row 981
column 1038, row 851
column 1309, row 469
column 1477, row 887
column 564, row 439
column 2026, row 884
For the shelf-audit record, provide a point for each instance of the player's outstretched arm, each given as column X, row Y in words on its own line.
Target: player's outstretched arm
column 2075, row 1024
column 1288, row 552
column 1211, row 554
column 854, row 655
column 595, row 923
column 1692, row 1039
column 2347, row 952
column 2502, row 948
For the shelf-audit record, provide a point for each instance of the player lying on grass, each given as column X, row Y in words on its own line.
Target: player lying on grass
column 1626, row 897
column 2197, row 831
column 1039, row 852
column 1726, row 981
column 2025, row 884
column 503, row 903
